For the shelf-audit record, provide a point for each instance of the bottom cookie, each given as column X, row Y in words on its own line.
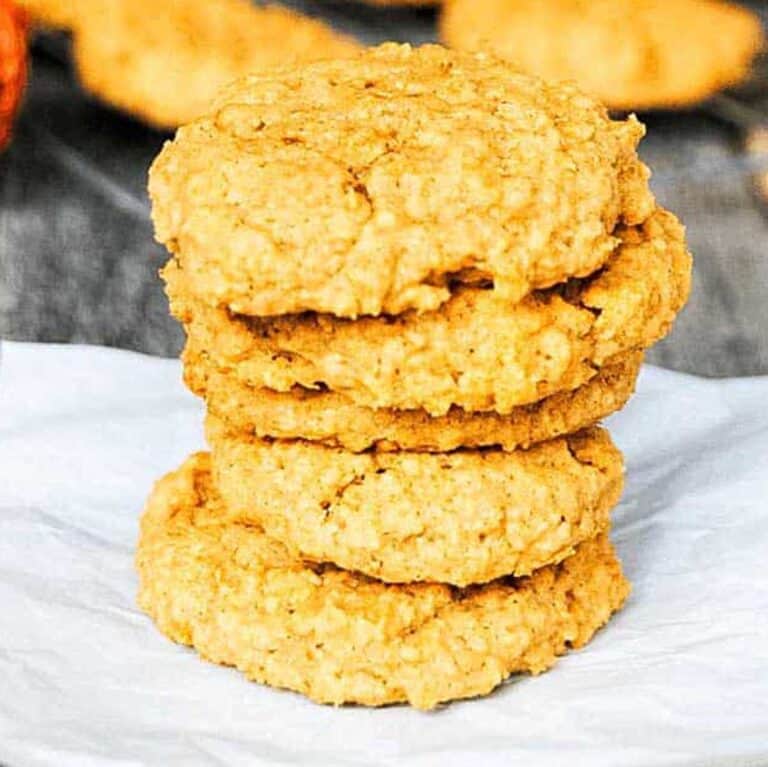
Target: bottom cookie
column 240, row 599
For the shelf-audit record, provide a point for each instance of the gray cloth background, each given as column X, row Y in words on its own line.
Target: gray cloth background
column 78, row 262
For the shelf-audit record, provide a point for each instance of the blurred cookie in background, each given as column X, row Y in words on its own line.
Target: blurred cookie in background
column 633, row 54
column 162, row 62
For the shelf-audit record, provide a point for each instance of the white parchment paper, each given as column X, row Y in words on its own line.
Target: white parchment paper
column 680, row 676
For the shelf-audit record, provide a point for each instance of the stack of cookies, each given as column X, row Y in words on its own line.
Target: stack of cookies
column 412, row 282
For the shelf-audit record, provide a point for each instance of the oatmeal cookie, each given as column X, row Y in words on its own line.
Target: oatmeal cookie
column 164, row 61
column 367, row 186
column 632, row 55
column 463, row 517
column 336, row 421
column 476, row 352
column 241, row 599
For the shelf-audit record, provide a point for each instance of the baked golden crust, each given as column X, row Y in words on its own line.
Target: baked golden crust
column 631, row 54
column 165, row 61
column 475, row 352
column 240, row 599
column 464, row 517
column 365, row 186
column 336, row 421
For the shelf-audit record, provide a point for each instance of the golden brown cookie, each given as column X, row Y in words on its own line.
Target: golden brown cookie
column 336, row 421
column 475, row 352
column 366, row 186
column 463, row 517
column 164, row 61
column 240, row 599
column 632, row 54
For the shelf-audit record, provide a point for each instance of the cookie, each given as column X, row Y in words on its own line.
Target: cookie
column 240, row 599
column 632, row 55
column 336, row 421
column 367, row 186
column 475, row 352
column 164, row 61
column 463, row 517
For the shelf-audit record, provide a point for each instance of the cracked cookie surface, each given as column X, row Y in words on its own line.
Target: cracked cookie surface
column 240, row 599
column 336, row 421
column 165, row 61
column 364, row 187
column 632, row 55
column 475, row 352
column 463, row 517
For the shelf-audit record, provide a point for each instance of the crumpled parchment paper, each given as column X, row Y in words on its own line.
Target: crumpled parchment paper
column 679, row 677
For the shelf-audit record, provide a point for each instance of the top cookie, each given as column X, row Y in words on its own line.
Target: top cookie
column 367, row 186
column 633, row 55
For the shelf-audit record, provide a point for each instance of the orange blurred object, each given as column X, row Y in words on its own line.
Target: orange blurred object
column 13, row 65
